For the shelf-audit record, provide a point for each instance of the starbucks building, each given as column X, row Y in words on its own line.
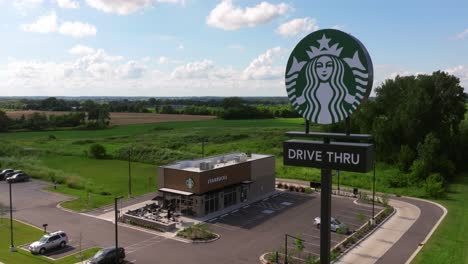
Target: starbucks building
column 200, row 187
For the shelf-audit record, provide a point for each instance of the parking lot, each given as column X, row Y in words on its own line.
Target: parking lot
column 246, row 233
column 254, row 215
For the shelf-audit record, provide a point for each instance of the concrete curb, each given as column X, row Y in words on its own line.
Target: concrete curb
column 421, row 245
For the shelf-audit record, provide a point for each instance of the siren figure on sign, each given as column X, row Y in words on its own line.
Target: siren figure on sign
column 324, row 84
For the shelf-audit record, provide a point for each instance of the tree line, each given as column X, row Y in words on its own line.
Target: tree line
column 419, row 123
column 91, row 116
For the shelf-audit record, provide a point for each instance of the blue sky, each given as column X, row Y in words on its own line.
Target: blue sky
column 211, row 47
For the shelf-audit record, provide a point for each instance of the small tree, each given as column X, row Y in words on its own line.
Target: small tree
column 299, row 245
column 97, row 151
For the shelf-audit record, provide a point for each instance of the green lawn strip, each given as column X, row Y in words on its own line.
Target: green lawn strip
column 25, row 234
column 449, row 243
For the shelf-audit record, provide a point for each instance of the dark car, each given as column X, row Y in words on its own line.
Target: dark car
column 11, row 173
column 4, row 172
column 19, row 177
column 107, row 255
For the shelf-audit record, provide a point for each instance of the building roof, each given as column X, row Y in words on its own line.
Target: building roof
column 215, row 162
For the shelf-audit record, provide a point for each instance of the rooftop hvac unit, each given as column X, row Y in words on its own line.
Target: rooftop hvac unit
column 204, row 166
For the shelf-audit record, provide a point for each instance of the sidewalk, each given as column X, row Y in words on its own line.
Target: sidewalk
column 376, row 245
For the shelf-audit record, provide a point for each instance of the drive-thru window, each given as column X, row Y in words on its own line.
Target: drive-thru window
column 200, row 187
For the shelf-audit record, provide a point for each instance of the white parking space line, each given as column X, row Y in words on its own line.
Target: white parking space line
column 311, row 243
column 235, row 211
column 225, row 227
column 247, row 206
column 318, row 237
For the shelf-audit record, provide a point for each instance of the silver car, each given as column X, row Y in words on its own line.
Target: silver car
column 49, row 241
column 335, row 224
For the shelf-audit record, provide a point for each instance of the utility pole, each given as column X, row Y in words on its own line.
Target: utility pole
column 129, row 174
column 12, row 246
column 116, row 199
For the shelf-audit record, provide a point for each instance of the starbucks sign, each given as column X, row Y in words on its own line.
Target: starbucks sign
column 328, row 75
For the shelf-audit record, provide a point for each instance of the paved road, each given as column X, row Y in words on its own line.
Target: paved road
column 409, row 242
column 240, row 242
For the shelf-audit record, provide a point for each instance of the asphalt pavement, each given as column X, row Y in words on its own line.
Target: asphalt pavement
column 245, row 234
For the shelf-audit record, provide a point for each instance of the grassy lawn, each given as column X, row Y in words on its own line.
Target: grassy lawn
column 101, row 176
column 24, row 234
column 449, row 243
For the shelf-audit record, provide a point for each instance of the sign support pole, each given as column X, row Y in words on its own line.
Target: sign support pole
column 325, row 212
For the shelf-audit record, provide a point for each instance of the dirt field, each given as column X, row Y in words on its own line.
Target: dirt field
column 128, row 118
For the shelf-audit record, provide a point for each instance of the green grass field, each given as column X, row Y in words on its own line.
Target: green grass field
column 63, row 156
column 449, row 243
column 24, row 234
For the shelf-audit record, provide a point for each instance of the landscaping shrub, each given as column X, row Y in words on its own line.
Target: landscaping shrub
column 75, row 182
column 308, row 190
column 435, row 186
column 97, row 151
column 280, row 185
column 196, row 232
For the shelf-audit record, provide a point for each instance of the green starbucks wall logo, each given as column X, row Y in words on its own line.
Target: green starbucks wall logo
column 189, row 183
column 329, row 73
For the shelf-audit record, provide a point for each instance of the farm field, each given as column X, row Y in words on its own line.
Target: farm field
column 125, row 118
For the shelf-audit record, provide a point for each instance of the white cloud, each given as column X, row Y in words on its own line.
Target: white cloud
column 204, row 69
column 48, row 24
column 193, row 70
column 77, row 29
column 163, row 60
column 461, row 71
column 462, row 34
column 263, row 67
column 180, row 46
column 44, row 24
column 125, row 7
column 229, row 17
column 81, row 50
column 131, row 70
column 23, row 5
column 68, row 4
column 296, row 26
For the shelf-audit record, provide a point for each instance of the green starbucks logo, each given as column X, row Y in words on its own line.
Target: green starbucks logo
column 329, row 73
column 190, row 183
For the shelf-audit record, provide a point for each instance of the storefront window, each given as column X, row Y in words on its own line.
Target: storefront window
column 230, row 195
column 211, row 203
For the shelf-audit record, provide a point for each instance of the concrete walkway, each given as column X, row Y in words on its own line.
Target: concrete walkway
column 376, row 245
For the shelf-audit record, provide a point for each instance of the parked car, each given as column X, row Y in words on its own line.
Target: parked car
column 19, row 177
column 335, row 224
column 3, row 173
column 11, row 173
column 107, row 255
column 58, row 239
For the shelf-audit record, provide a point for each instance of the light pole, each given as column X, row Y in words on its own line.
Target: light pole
column 129, row 174
column 203, row 147
column 12, row 246
column 338, row 176
column 373, row 194
column 116, row 199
